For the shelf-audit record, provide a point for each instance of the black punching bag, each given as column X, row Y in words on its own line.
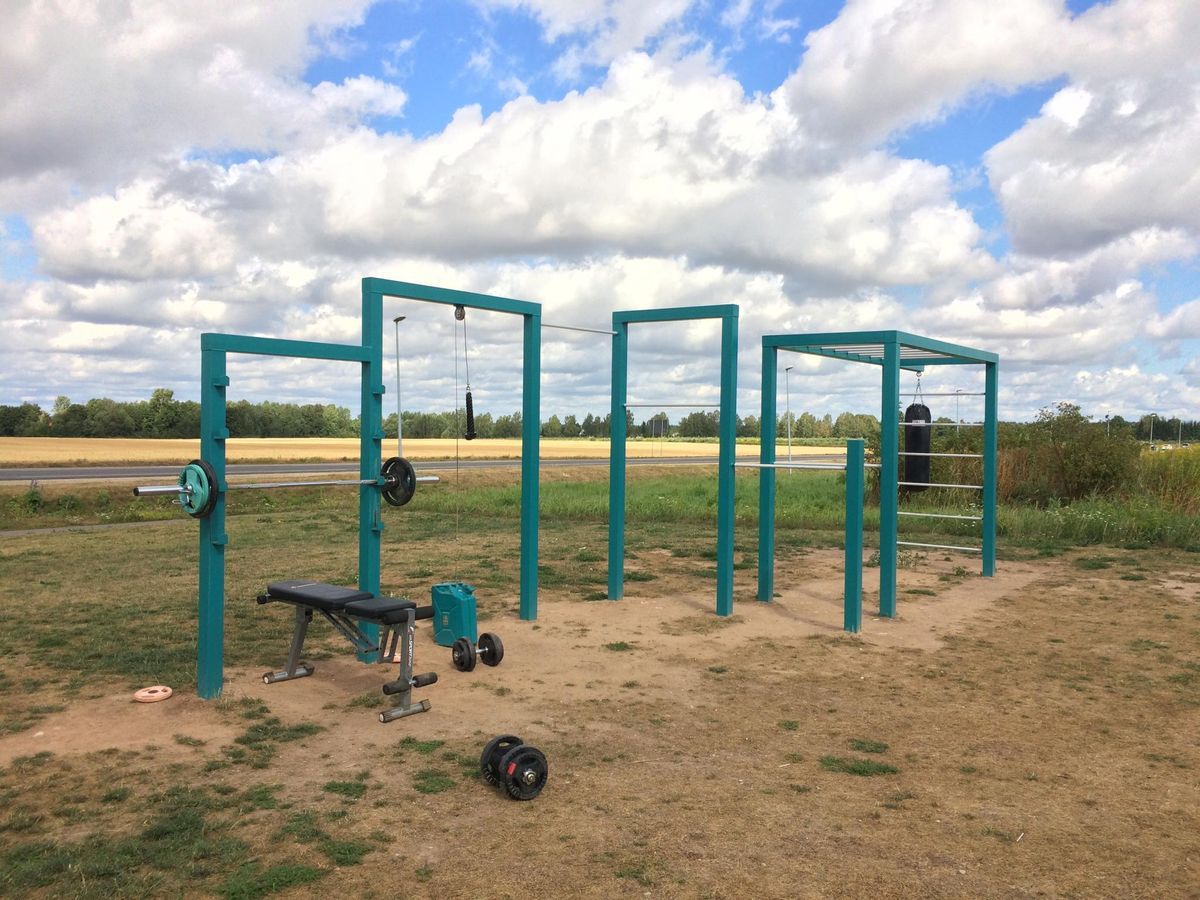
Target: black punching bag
column 917, row 440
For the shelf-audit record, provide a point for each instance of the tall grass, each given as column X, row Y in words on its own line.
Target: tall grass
column 1172, row 478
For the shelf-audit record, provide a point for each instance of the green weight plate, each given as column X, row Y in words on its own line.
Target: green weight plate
column 197, row 489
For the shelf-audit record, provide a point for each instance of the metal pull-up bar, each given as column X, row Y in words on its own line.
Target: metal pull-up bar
column 579, row 328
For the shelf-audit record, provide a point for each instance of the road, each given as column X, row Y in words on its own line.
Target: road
column 168, row 474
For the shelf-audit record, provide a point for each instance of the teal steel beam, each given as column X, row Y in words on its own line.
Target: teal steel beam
column 920, row 342
column 409, row 291
column 853, row 547
column 675, row 314
column 370, row 451
column 210, row 644
column 531, row 405
column 616, row 460
column 889, row 476
column 768, row 428
column 726, row 458
column 261, row 346
column 990, row 432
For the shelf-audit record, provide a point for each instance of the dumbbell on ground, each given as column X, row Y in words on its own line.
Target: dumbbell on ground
column 465, row 655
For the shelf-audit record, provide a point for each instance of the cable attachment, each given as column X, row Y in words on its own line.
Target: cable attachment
column 460, row 314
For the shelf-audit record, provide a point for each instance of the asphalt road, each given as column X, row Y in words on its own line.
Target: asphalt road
column 168, row 474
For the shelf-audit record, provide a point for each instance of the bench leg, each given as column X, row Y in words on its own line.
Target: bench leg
column 402, row 687
column 295, row 668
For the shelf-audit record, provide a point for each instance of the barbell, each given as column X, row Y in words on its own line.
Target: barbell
column 197, row 494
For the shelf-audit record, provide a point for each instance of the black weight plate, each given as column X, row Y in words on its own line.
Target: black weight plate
column 206, row 510
column 462, row 654
column 491, row 650
column 523, row 772
column 489, row 760
column 401, row 481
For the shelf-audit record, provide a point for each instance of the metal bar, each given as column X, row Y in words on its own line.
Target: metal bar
column 970, row 487
column 406, row 290
column 531, row 419
column 263, row 346
column 578, row 328
column 834, row 467
column 889, row 475
column 616, row 461
column 673, row 405
column 950, row 394
column 370, row 456
column 953, row 455
column 941, row 424
column 990, row 433
column 210, row 646
column 157, row 490
column 675, row 314
column 852, row 549
column 942, row 516
column 768, row 426
column 940, row 546
column 726, row 483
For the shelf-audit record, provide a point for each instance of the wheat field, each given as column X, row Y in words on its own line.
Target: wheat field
column 50, row 451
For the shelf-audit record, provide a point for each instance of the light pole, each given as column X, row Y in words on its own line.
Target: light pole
column 957, row 417
column 399, row 421
column 787, row 392
column 1153, row 416
column 1108, row 426
column 1179, row 440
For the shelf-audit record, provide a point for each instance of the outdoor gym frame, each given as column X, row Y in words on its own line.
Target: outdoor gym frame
column 728, row 314
column 893, row 351
column 214, row 382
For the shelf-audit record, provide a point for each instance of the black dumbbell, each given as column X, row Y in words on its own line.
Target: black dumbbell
column 464, row 654
column 515, row 766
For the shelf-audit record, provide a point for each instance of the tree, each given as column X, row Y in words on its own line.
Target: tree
column 552, row 427
column 570, row 426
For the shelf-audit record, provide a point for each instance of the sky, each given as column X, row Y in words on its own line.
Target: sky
column 1019, row 177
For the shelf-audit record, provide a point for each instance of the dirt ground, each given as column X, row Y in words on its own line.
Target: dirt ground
column 1034, row 734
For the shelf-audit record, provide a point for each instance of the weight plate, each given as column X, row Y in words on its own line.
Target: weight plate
column 523, row 772
column 491, row 650
column 401, row 481
column 198, row 489
column 462, row 654
column 489, row 760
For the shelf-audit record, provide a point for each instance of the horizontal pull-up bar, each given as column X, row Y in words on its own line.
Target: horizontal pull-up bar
column 940, row 516
column 921, row 394
column 940, row 424
column 953, row 455
column 929, row 484
column 834, row 467
column 673, row 405
column 940, row 546
column 579, row 328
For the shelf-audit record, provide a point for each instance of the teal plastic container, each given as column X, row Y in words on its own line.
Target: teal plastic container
column 454, row 613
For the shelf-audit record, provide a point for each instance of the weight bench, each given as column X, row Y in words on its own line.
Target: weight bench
column 345, row 608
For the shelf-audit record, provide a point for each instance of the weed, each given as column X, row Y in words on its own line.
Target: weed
column 248, row 884
column 852, row 766
column 864, row 746
column 789, row 725
column 619, row 646
column 432, row 781
column 345, row 853
column 351, row 789
column 411, row 743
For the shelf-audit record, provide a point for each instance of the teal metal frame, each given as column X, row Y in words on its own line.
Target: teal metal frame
column 893, row 351
column 621, row 320
column 214, row 382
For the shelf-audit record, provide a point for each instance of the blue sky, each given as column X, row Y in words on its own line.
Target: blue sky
column 1017, row 177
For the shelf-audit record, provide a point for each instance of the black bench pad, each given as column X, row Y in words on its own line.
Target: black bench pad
column 316, row 594
column 385, row 610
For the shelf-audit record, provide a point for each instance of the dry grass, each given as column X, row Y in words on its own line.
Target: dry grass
column 48, row 451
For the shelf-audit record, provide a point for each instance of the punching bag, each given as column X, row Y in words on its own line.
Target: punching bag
column 917, row 440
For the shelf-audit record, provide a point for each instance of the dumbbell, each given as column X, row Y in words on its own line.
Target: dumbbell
column 464, row 654
column 517, row 767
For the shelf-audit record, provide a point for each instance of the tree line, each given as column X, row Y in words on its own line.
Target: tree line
column 162, row 416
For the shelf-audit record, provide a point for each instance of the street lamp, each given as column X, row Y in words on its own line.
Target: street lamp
column 1108, row 426
column 399, row 422
column 1153, row 416
column 787, row 391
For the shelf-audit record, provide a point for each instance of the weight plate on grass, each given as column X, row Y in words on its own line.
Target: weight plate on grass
column 462, row 654
column 198, row 489
column 493, row 750
column 523, row 772
column 491, row 651
column 401, row 481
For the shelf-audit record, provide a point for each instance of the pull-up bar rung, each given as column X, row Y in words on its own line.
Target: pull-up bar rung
column 578, row 328
column 952, row 455
column 833, row 467
column 673, row 405
column 920, row 394
column 940, row 424
column 969, row 487
column 940, row 516
column 940, row 546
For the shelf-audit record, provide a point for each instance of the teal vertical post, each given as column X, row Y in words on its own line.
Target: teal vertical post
column 726, row 478
column 370, row 443
column 531, row 416
column 889, row 475
column 990, row 434
column 210, row 655
column 852, row 596
column 616, row 461
column 768, row 426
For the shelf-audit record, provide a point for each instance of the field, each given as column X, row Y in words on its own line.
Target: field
column 53, row 451
column 1031, row 734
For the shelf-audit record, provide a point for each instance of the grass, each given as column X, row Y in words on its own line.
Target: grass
column 855, row 766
